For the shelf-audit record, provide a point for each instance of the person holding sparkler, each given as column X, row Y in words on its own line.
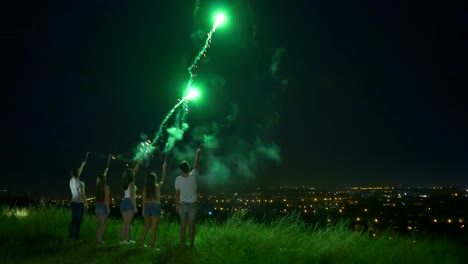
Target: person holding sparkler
column 152, row 204
column 186, row 198
column 128, row 206
column 102, row 204
column 78, row 201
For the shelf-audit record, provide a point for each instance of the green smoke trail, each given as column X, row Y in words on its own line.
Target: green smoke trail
column 143, row 149
column 163, row 123
column 175, row 134
column 197, row 7
column 210, row 141
column 219, row 19
column 176, row 131
column 147, row 147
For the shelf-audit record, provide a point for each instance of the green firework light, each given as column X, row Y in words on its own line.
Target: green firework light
column 144, row 148
column 190, row 93
column 220, row 18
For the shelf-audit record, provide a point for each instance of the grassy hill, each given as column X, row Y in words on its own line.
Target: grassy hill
column 38, row 235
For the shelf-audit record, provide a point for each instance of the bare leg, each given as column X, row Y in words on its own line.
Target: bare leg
column 123, row 229
column 129, row 229
column 183, row 226
column 127, row 220
column 145, row 229
column 154, row 229
column 101, row 218
column 192, row 232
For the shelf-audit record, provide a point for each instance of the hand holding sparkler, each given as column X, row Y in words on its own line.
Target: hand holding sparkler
column 195, row 163
column 108, row 160
column 137, row 166
column 80, row 169
column 163, row 177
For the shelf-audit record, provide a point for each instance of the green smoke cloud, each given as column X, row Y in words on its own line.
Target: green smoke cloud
column 175, row 134
column 210, row 141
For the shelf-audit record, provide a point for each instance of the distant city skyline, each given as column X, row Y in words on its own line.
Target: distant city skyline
column 373, row 210
column 65, row 195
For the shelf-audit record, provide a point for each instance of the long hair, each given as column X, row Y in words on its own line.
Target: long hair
column 100, row 185
column 150, row 186
column 127, row 178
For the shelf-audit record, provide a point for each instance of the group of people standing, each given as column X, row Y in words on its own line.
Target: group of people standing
column 185, row 201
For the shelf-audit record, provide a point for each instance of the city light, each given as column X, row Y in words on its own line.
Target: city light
column 323, row 205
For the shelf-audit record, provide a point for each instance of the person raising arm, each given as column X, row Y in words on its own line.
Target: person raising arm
column 186, row 198
column 195, row 162
column 102, row 209
column 152, row 205
column 78, row 202
column 195, row 167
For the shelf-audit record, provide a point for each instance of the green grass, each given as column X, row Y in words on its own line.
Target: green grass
column 38, row 235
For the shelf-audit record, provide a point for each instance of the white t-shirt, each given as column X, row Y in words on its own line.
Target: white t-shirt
column 188, row 187
column 75, row 186
column 127, row 192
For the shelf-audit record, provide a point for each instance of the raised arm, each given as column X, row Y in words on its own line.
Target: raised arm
column 80, row 169
column 195, row 163
column 163, row 177
column 137, row 166
column 105, row 172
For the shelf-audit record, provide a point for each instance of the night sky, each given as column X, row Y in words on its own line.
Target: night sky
column 322, row 93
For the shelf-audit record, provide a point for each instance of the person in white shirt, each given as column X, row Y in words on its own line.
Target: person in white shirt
column 78, row 202
column 186, row 198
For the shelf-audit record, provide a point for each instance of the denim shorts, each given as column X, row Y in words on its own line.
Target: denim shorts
column 152, row 209
column 101, row 208
column 126, row 205
column 187, row 211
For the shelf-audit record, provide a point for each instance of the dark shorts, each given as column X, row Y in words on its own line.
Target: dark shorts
column 152, row 209
column 187, row 211
column 126, row 205
column 101, row 208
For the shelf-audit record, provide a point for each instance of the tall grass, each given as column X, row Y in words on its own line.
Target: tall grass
column 38, row 235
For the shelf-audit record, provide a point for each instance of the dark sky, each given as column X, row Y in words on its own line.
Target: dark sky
column 324, row 93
